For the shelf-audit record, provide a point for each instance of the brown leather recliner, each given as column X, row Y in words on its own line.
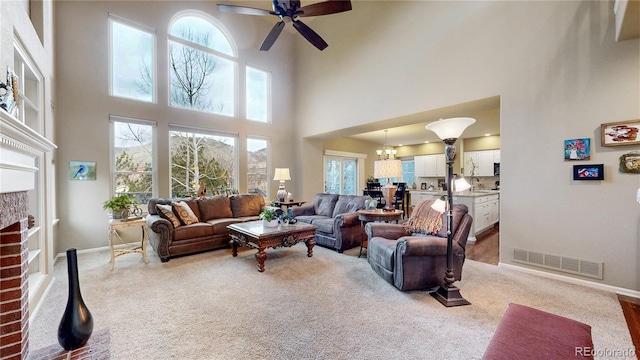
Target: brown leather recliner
column 417, row 261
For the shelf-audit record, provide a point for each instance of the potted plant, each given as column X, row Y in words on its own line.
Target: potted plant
column 269, row 217
column 285, row 218
column 119, row 205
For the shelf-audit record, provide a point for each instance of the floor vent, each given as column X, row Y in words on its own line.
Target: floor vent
column 587, row 268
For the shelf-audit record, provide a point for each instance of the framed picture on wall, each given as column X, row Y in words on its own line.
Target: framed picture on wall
column 620, row 133
column 577, row 149
column 82, row 170
column 588, row 172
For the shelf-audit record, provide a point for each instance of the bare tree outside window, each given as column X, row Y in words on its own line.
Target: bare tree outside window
column 198, row 158
column 133, row 160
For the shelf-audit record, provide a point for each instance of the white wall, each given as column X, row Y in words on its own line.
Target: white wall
column 83, row 104
column 559, row 75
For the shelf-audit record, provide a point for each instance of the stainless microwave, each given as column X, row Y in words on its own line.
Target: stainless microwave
column 496, row 169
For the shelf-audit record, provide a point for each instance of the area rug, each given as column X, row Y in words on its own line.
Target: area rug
column 329, row 306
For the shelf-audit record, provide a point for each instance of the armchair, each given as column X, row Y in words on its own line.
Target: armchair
column 413, row 255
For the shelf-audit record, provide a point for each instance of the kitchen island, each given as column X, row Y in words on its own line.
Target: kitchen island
column 484, row 206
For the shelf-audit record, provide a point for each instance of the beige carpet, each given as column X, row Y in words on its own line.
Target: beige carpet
column 329, row 306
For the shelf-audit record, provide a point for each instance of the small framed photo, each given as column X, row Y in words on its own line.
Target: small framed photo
column 588, row 172
column 577, row 149
column 82, row 170
column 620, row 133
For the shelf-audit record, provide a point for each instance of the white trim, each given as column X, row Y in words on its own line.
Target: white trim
column 203, row 131
column 344, row 154
column 130, row 23
column 125, row 119
column 571, row 280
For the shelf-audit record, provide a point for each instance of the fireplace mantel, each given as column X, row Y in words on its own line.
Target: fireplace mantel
column 19, row 147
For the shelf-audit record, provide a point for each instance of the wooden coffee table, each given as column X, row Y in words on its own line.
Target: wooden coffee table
column 254, row 235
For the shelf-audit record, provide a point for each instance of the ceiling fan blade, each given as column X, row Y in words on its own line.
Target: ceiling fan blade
column 310, row 35
column 272, row 37
column 243, row 10
column 325, row 8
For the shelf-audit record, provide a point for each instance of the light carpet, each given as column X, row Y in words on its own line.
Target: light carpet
column 329, row 306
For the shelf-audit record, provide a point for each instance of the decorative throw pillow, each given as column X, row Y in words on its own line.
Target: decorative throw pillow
column 185, row 213
column 166, row 211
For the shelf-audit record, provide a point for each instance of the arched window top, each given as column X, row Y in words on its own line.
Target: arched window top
column 199, row 30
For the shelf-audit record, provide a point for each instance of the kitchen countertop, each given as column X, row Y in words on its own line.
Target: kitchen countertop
column 467, row 193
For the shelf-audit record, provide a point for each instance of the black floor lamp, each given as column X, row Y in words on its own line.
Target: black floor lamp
column 449, row 130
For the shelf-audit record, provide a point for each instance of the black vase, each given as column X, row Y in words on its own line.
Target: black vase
column 77, row 323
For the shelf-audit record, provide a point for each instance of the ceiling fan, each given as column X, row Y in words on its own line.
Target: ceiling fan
column 289, row 11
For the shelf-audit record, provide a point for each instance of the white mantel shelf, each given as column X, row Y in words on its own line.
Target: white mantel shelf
column 19, row 147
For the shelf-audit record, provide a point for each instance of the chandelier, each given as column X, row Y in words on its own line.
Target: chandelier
column 386, row 152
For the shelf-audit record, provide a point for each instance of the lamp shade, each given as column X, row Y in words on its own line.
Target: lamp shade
column 450, row 128
column 387, row 169
column 460, row 184
column 282, row 174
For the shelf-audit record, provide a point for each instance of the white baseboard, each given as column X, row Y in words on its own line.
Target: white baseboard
column 571, row 280
column 33, row 313
column 86, row 251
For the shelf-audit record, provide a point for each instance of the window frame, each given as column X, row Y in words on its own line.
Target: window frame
column 268, row 94
column 154, row 58
column 154, row 153
column 268, row 165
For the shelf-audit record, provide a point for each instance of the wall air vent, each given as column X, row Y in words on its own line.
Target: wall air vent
column 593, row 269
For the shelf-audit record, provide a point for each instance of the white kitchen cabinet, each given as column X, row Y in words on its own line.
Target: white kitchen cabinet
column 471, row 163
column 429, row 165
column 485, row 211
column 486, row 163
column 480, row 163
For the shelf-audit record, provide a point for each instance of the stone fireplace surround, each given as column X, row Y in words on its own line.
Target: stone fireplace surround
column 20, row 146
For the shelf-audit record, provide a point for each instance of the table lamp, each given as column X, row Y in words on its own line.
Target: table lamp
column 282, row 174
column 387, row 169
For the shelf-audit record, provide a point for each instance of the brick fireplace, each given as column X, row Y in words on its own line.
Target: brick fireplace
column 14, row 284
column 22, row 154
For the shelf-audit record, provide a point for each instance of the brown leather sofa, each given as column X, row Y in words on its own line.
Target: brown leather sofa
column 210, row 232
column 336, row 218
column 417, row 261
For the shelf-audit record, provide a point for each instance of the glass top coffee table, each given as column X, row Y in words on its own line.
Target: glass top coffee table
column 254, row 235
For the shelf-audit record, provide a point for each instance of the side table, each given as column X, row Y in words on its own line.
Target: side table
column 288, row 204
column 114, row 226
column 375, row 215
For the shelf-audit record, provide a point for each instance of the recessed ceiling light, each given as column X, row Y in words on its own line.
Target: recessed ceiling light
column 426, row 142
column 399, row 144
column 487, row 134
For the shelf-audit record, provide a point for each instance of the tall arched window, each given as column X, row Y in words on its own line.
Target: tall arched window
column 202, row 65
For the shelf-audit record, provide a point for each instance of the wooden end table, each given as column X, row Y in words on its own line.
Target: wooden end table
column 114, row 226
column 254, row 235
column 288, row 204
column 375, row 215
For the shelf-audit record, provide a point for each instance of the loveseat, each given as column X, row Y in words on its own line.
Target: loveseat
column 181, row 226
column 336, row 218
